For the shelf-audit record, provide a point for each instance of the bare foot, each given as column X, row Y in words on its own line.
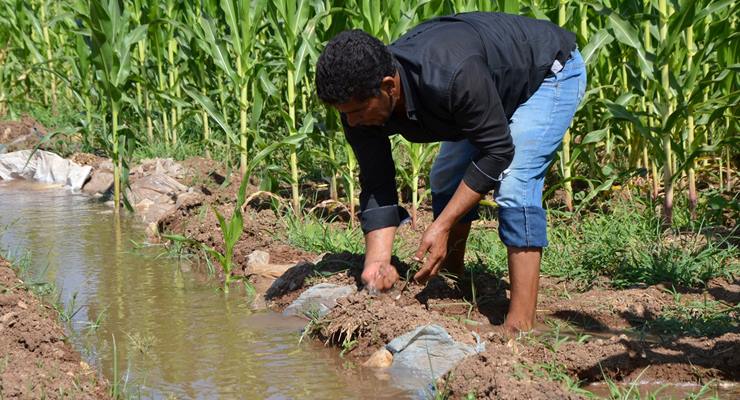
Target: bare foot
column 379, row 276
column 507, row 332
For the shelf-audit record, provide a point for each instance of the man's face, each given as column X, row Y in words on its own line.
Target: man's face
column 374, row 111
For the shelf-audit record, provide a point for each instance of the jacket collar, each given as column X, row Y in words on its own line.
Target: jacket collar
column 409, row 95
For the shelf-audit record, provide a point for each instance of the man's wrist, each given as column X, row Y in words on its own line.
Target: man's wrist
column 461, row 202
column 379, row 245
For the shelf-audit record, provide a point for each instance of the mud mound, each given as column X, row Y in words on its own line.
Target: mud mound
column 196, row 220
column 21, row 135
column 374, row 321
column 501, row 373
column 88, row 159
column 37, row 362
column 605, row 309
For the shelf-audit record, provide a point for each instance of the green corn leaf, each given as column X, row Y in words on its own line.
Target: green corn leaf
column 594, row 136
column 626, row 34
column 509, row 6
column 598, row 42
column 221, row 221
column 678, row 22
column 618, row 111
column 215, row 49
column 258, row 103
column 230, row 12
column 236, row 224
column 301, row 58
column 713, row 7
column 606, row 185
column 210, row 108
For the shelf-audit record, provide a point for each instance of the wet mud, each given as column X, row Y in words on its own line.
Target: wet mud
column 36, row 361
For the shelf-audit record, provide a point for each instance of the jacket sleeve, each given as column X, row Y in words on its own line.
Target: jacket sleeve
column 477, row 109
column 379, row 199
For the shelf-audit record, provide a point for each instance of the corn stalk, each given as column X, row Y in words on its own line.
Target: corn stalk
column 112, row 37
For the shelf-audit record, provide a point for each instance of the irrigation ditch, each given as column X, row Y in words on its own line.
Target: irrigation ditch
column 173, row 330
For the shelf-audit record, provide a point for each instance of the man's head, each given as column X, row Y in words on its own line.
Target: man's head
column 355, row 74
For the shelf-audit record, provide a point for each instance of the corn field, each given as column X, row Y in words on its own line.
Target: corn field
column 233, row 80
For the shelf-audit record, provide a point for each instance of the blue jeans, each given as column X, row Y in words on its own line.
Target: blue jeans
column 537, row 128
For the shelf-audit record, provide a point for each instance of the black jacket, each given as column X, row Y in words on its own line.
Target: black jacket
column 463, row 77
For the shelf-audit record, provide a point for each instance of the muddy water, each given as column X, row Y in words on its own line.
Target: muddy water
column 175, row 334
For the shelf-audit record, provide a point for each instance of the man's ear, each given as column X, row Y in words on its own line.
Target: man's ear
column 388, row 85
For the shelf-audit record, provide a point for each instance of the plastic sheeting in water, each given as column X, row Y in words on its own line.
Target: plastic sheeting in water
column 423, row 355
column 42, row 166
column 320, row 298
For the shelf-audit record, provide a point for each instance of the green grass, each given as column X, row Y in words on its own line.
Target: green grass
column 632, row 392
column 313, row 234
column 695, row 318
column 625, row 245
column 35, row 282
column 160, row 149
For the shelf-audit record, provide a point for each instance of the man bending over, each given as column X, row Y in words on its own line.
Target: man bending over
column 499, row 92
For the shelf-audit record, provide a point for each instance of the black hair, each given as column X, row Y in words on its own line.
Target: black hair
column 351, row 67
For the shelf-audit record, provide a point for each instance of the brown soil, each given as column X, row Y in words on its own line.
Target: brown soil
column 36, row 362
column 88, row 159
column 374, row 321
column 502, row 372
column 20, row 135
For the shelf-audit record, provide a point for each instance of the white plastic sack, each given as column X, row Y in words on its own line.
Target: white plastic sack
column 425, row 354
column 43, row 166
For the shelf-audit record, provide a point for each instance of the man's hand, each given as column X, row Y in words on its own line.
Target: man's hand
column 435, row 237
column 434, row 242
column 379, row 275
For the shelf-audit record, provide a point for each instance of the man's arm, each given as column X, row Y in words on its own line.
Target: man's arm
column 380, row 214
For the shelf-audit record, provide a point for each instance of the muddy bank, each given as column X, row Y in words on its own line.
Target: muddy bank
column 36, row 361
column 20, row 135
column 589, row 337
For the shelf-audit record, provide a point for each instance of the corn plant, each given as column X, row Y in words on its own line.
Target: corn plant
column 293, row 22
column 232, row 227
column 418, row 156
column 243, row 18
column 661, row 99
column 113, row 37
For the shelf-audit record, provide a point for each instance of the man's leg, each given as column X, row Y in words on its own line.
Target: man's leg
column 447, row 172
column 455, row 261
column 537, row 128
column 524, row 276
